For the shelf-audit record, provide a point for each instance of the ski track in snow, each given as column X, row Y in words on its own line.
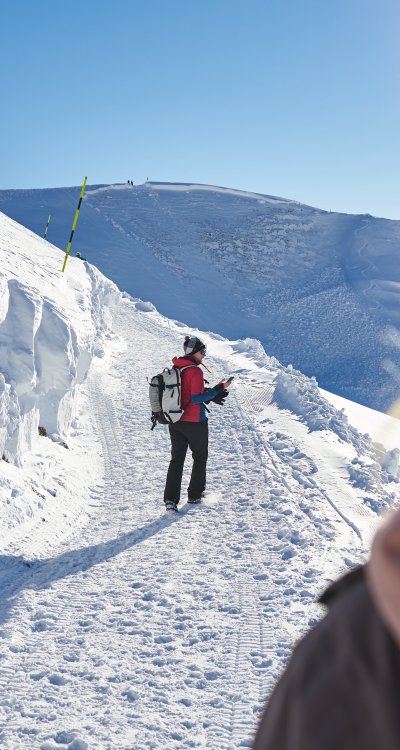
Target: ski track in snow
column 147, row 630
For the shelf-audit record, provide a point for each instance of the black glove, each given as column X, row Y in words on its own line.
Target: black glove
column 219, row 387
column 220, row 397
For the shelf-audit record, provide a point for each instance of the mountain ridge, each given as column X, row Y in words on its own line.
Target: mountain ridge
column 319, row 289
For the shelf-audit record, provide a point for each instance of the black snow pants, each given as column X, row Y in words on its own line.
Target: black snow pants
column 184, row 435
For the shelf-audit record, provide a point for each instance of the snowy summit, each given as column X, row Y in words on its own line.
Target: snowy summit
column 319, row 289
column 121, row 626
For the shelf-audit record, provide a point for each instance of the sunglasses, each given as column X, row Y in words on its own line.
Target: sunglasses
column 203, row 352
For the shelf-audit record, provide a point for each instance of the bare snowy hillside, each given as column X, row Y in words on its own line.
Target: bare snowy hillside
column 121, row 626
column 320, row 290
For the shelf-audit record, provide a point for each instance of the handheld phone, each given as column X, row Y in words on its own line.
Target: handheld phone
column 229, row 380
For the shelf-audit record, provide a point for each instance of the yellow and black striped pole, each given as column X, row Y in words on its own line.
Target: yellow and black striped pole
column 47, row 226
column 74, row 225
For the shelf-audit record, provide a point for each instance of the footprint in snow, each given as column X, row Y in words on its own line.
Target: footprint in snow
column 41, row 625
column 276, row 491
column 65, row 737
column 57, row 679
column 71, row 657
column 213, row 675
column 311, row 573
column 288, row 553
column 163, row 639
column 261, row 663
column 131, row 695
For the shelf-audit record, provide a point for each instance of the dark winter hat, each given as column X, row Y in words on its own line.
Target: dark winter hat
column 192, row 344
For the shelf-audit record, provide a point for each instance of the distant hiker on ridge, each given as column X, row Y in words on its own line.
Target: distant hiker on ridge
column 191, row 431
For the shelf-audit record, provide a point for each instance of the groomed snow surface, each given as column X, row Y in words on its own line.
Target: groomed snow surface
column 123, row 627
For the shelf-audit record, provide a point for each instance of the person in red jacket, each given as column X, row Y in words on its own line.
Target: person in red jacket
column 192, row 429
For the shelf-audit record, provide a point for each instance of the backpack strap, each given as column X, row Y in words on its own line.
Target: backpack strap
column 160, row 387
column 181, row 369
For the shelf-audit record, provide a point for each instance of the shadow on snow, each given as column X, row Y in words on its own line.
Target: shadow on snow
column 18, row 574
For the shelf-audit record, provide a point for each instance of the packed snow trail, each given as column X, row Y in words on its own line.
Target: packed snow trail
column 147, row 630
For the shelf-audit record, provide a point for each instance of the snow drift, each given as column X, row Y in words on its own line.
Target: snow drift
column 51, row 326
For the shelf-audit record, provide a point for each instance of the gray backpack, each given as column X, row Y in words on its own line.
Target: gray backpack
column 165, row 396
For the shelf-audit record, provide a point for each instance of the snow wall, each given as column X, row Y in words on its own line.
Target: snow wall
column 51, row 326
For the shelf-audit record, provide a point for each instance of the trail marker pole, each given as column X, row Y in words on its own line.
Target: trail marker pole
column 47, row 226
column 74, row 225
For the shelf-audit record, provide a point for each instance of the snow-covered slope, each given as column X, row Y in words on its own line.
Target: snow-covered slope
column 51, row 327
column 320, row 290
column 121, row 626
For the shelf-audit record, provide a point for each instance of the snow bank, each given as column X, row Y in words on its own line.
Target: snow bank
column 51, row 326
column 301, row 394
column 142, row 306
column 391, row 463
column 372, row 466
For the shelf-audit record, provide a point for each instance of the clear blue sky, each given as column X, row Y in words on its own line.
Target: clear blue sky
column 298, row 99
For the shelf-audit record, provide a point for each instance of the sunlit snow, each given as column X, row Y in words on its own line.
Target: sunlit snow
column 121, row 626
column 319, row 289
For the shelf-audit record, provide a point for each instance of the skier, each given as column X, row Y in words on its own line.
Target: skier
column 78, row 255
column 192, row 429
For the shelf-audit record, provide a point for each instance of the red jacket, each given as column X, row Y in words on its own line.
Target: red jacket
column 193, row 394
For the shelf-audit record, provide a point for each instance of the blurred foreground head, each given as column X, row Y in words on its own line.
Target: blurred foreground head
column 342, row 685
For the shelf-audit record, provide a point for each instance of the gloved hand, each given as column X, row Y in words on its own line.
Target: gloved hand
column 220, row 397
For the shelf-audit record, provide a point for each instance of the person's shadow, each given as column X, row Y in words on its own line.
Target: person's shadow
column 18, row 573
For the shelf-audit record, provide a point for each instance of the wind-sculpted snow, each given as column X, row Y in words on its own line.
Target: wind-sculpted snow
column 300, row 394
column 372, row 468
column 50, row 328
column 11, row 424
column 390, row 463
